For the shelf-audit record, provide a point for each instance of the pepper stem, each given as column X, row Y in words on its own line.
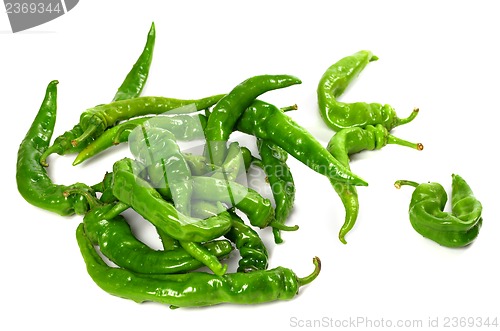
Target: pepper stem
column 283, row 227
column 51, row 150
column 398, row 141
column 402, row 182
column 121, row 129
column 117, row 209
column 87, row 133
column 408, row 119
column 289, row 108
column 307, row 279
column 93, row 202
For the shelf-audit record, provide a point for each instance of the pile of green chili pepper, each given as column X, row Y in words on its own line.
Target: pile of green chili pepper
column 200, row 204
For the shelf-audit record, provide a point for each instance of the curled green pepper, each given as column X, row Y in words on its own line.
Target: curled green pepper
column 339, row 115
column 33, row 181
column 457, row 228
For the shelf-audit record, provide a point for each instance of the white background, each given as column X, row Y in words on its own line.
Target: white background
column 440, row 56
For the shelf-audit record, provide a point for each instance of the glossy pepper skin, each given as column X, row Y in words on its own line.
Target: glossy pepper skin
column 117, row 242
column 194, row 289
column 33, row 181
column 457, row 228
column 130, row 88
column 226, row 112
column 339, row 115
column 137, row 77
column 347, row 142
column 136, row 192
column 266, row 121
column 182, row 126
column 274, row 163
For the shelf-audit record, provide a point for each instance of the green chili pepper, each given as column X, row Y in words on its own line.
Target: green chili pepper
column 136, row 79
column 136, row 192
column 193, row 289
column 354, row 140
column 117, row 242
column 279, row 176
column 33, row 181
column 267, row 122
column 226, row 112
column 131, row 88
column 94, row 121
column 339, row 115
column 457, row 228
column 183, row 127
column 253, row 252
column 258, row 209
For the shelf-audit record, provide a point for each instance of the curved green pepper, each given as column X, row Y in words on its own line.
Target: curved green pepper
column 427, row 216
column 339, row 115
column 33, row 181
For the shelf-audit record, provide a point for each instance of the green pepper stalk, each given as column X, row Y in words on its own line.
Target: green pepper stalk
column 193, row 289
column 354, row 140
column 228, row 110
column 339, row 115
column 130, row 88
column 457, row 228
column 33, row 182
